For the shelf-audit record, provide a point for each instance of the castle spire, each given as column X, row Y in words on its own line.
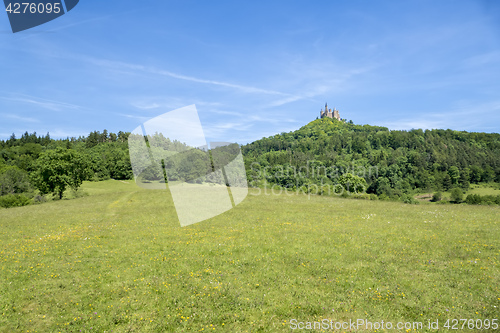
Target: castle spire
column 329, row 113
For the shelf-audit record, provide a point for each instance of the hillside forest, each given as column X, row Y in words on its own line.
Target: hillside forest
column 326, row 157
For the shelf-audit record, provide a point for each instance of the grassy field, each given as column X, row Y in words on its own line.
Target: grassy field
column 118, row 261
column 481, row 189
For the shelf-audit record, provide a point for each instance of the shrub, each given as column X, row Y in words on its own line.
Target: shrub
column 489, row 199
column 473, row 199
column 14, row 200
column 338, row 189
column 345, row 194
column 456, row 195
column 363, row 196
column 406, row 198
column 476, row 199
column 437, row 197
column 383, row 197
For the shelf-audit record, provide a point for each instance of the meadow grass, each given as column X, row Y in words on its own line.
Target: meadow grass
column 117, row 260
column 480, row 189
column 484, row 189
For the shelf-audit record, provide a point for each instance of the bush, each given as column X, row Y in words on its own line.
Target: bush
column 345, row 195
column 14, row 200
column 456, row 195
column 373, row 196
column 338, row 189
column 363, row 196
column 489, row 199
column 406, row 198
column 473, row 199
column 14, row 181
column 383, row 197
column 437, row 197
column 476, row 199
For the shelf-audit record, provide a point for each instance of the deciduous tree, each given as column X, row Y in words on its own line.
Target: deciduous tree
column 59, row 169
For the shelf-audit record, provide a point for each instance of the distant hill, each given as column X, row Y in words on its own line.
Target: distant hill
column 323, row 155
column 392, row 162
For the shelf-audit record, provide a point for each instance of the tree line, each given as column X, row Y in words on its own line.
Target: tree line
column 383, row 163
column 401, row 163
column 33, row 166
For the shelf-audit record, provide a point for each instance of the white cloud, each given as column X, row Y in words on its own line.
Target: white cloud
column 169, row 104
column 20, row 118
column 141, row 118
column 44, row 103
column 146, row 106
column 247, row 89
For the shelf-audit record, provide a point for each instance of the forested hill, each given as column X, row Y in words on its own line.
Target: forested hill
column 323, row 154
column 392, row 162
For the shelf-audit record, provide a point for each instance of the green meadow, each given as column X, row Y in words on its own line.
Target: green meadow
column 117, row 260
column 484, row 189
column 480, row 189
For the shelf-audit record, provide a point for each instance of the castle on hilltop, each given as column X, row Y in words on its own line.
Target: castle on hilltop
column 329, row 113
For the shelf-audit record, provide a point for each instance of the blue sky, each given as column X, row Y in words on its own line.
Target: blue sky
column 253, row 68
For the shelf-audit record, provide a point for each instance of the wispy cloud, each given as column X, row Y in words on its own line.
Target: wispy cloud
column 41, row 102
column 40, row 30
column 246, row 89
column 153, row 70
column 141, row 118
column 286, row 100
column 146, row 106
column 228, row 113
column 221, row 129
column 312, row 81
column 169, row 104
column 20, row 118
column 238, row 126
column 319, row 80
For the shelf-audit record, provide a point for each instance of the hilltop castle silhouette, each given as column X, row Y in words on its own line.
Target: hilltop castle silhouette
column 329, row 113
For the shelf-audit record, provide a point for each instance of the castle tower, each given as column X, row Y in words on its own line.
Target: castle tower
column 329, row 113
column 336, row 114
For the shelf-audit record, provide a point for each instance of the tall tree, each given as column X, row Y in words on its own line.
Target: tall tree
column 59, row 169
column 454, row 174
column 352, row 183
column 14, row 180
